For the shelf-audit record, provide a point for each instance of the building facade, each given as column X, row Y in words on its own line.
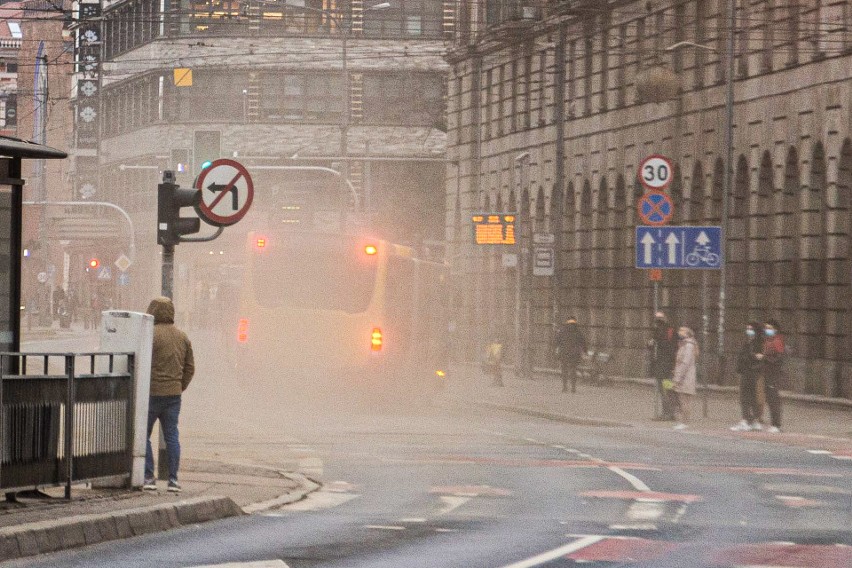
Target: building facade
column 553, row 105
column 355, row 86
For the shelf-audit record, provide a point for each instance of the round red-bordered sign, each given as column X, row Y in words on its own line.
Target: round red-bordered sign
column 656, row 172
column 655, row 208
column 226, row 192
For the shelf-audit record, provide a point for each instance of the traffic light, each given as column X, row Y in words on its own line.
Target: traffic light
column 94, row 263
column 170, row 198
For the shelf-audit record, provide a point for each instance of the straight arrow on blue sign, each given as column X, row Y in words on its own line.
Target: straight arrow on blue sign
column 697, row 248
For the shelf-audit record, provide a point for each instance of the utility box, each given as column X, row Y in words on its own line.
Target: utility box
column 133, row 332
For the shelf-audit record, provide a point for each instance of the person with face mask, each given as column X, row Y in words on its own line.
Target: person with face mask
column 772, row 356
column 748, row 368
column 685, row 375
column 662, row 348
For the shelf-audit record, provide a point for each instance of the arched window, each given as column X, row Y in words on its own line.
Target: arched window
column 760, row 235
column 843, row 277
column 812, row 262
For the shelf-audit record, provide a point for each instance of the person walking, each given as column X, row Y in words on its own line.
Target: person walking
column 663, row 347
column 685, row 374
column 749, row 368
column 172, row 369
column 570, row 348
column 773, row 355
column 494, row 361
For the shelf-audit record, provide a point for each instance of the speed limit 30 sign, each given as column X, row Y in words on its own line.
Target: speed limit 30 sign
column 656, row 172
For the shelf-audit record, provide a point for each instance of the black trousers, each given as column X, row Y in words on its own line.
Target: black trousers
column 569, row 373
column 773, row 398
column 666, row 400
column 748, row 399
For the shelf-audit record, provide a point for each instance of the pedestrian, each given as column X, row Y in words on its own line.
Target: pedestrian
column 570, row 348
column 685, row 374
column 749, row 369
column 172, row 368
column 663, row 347
column 494, row 361
column 773, row 355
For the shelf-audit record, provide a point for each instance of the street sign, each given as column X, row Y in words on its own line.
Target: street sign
column 226, row 192
column 105, row 273
column 123, row 279
column 543, row 261
column 494, row 228
column 679, row 247
column 42, row 277
column 544, row 238
column 123, row 263
column 656, row 172
column 655, row 208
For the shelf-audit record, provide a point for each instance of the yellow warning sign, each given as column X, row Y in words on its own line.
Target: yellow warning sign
column 183, row 77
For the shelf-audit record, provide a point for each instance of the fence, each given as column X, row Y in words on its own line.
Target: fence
column 65, row 418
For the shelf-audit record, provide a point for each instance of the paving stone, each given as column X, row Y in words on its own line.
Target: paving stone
column 9, row 547
column 71, row 535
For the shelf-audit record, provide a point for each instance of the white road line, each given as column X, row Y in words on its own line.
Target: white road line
column 641, row 510
column 557, row 552
column 634, row 527
column 820, row 452
column 680, row 513
column 439, row 530
column 254, row 564
column 413, row 520
column 385, row 527
column 532, row 441
column 320, row 500
column 637, row 483
column 452, row 502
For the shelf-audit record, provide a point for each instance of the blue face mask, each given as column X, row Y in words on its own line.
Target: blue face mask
column 750, row 332
column 770, row 333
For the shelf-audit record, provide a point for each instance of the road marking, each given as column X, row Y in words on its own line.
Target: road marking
column 413, row 520
column 446, row 530
column 451, row 503
column 679, row 514
column 646, row 510
column 385, row 527
column 637, row 483
column 254, row 564
column 648, row 496
column 634, row 527
column 546, row 557
column 820, row 452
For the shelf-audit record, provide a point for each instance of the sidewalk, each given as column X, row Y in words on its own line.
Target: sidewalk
column 631, row 404
column 211, row 490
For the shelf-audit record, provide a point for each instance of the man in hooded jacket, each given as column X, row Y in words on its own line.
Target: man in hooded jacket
column 172, row 368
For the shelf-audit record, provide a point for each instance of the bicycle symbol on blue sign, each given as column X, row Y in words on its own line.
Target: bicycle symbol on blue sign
column 679, row 247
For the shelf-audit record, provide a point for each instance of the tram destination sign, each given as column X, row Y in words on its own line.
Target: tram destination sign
column 494, row 228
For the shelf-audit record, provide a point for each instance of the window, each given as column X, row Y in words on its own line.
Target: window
column 15, row 30
column 388, row 100
column 410, row 18
column 300, row 97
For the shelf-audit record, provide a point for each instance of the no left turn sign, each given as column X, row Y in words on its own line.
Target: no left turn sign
column 226, row 192
column 656, row 172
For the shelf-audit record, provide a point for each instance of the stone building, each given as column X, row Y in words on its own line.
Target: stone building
column 549, row 116
column 351, row 85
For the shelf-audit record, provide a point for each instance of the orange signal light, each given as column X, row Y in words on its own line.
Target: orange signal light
column 94, row 263
column 242, row 330
column 376, row 340
column 260, row 243
column 370, row 250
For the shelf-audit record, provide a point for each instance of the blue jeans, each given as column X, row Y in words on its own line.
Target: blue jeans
column 166, row 409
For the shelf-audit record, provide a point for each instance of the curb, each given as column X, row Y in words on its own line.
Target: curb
column 306, row 484
column 575, row 420
column 42, row 537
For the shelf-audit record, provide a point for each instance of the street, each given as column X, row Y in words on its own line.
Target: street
column 460, row 485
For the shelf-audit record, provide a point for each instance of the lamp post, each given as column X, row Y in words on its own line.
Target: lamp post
column 727, row 181
column 344, row 36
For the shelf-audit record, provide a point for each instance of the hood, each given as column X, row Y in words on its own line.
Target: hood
column 162, row 309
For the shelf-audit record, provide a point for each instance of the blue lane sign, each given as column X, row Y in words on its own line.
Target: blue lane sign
column 679, row 247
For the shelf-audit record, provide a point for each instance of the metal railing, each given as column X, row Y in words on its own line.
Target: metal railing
column 65, row 418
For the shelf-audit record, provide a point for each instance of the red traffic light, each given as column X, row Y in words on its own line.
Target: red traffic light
column 94, row 263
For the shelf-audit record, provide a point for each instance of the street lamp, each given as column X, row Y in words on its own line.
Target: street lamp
column 729, row 159
column 344, row 36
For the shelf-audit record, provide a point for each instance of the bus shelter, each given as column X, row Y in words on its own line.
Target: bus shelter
column 12, row 152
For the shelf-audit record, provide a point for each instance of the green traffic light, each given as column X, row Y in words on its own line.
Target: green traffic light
column 206, row 165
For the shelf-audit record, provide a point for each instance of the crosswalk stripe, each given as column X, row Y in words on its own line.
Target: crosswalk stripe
column 254, row 564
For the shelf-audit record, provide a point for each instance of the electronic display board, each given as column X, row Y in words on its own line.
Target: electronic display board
column 494, row 228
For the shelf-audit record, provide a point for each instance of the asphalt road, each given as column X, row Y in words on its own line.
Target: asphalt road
column 453, row 485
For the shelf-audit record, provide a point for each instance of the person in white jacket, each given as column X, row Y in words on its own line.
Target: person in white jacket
column 684, row 379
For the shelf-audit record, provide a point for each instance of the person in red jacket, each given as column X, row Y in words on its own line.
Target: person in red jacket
column 772, row 358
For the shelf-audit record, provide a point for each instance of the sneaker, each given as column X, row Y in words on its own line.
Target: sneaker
column 150, row 485
column 756, row 426
column 173, row 487
column 743, row 426
column 773, row 430
column 680, row 426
